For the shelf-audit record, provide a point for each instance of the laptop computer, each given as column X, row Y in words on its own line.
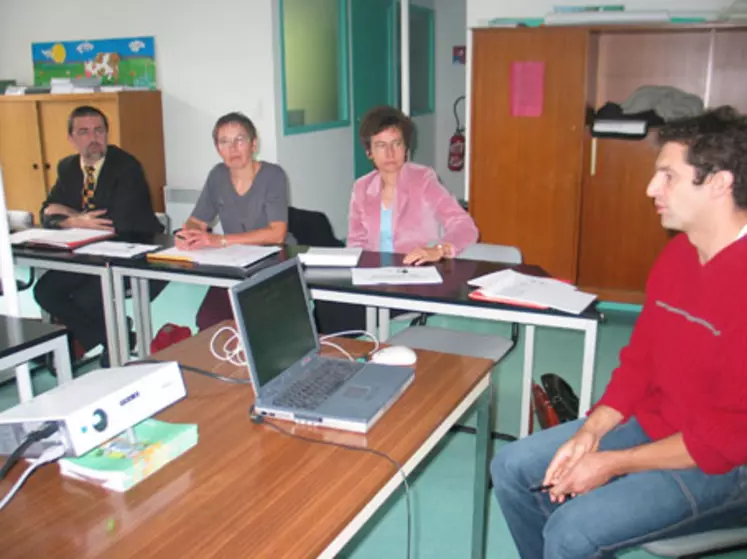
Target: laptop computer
column 291, row 379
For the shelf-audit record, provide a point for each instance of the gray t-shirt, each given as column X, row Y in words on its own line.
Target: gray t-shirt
column 266, row 200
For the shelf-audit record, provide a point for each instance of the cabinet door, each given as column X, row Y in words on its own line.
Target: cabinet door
column 20, row 156
column 54, row 117
column 525, row 172
column 621, row 233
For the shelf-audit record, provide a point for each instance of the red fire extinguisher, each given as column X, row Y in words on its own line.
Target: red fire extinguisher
column 457, row 143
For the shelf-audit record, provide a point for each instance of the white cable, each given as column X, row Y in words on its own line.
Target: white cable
column 338, row 348
column 373, row 338
column 51, row 454
column 231, row 350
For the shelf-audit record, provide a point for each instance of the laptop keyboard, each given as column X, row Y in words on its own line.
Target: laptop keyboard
column 325, row 377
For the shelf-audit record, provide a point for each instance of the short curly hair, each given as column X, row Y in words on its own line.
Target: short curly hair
column 716, row 141
column 382, row 118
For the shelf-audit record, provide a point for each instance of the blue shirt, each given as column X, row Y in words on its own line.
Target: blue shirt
column 386, row 234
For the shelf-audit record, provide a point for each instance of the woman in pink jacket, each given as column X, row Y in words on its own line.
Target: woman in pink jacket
column 401, row 206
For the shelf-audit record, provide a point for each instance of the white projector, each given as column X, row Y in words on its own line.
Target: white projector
column 93, row 408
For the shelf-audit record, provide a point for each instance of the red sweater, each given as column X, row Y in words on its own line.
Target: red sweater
column 685, row 368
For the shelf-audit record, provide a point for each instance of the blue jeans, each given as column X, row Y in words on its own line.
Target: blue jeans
column 626, row 512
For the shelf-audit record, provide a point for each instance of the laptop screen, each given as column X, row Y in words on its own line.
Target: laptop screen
column 277, row 323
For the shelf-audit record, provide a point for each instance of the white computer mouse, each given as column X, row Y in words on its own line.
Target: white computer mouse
column 395, row 355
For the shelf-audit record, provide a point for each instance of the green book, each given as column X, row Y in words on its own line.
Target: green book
column 119, row 464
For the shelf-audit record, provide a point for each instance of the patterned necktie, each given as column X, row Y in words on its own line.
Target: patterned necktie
column 89, row 186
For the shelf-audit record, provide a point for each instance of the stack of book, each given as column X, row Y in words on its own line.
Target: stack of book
column 120, row 464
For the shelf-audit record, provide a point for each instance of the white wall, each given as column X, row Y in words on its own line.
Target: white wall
column 320, row 165
column 479, row 11
column 211, row 60
column 451, row 23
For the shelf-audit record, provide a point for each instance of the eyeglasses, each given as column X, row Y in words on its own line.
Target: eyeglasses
column 98, row 131
column 385, row 146
column 238, row 141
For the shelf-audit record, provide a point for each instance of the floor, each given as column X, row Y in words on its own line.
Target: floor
column 441, row 489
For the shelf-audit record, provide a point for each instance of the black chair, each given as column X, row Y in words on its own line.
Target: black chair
column 314, row 229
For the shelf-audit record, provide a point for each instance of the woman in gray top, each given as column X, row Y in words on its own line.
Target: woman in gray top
column 249, row 197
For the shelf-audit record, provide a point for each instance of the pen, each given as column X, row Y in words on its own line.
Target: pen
column 537, row 488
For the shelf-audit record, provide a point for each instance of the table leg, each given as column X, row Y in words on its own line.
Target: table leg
column 62, row 364
column 482, row 461
column 371, row 324
column 383, row 324
column 23, row 382
column 23, row 374
column 136, row 295
column 121, row 311
column 110, row 318
column 146, row 319
column 587, row 370
column 526, row 381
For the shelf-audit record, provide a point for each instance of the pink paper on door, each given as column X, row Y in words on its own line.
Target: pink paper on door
column 527, row 88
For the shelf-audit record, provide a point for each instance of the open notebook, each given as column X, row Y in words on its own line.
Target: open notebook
column 59, row 238
column 234, row 255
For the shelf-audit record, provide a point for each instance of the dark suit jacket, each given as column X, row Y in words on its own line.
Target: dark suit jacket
column 121, row 190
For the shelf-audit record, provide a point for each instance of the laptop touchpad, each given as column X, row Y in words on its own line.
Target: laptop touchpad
column 356, row 391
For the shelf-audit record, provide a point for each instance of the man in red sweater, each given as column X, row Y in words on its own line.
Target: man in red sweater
column 664, row 451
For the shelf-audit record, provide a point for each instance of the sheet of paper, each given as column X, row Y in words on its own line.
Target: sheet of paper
column 27, row 235
column 397, row 275
column 520, row 288
column 331, row 256
column 527, row 87
column 234, row 256
column 57, row 237
column 502, row 278
column 115, row 249
column 571, row 301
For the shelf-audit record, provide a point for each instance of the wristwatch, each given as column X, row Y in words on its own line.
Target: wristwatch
column 223, row 241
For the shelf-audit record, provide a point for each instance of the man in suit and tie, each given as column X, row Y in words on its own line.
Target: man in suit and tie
column 101, row 187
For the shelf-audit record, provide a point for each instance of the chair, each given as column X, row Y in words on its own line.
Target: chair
column 420, row 336
column 468, row 344
column 314, row 229
column 704, row 544
column 311, row 228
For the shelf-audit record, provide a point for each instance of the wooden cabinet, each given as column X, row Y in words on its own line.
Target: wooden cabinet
column 576, row 205
column 33, row 138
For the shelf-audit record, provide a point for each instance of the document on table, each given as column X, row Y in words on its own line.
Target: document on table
column 397, row 275
column 345, row 257
column 234, row 256
column 510, row 286
column 116, row 249
column 511, row 277
column 59, row 238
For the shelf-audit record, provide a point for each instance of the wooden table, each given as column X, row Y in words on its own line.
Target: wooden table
column 246, row 490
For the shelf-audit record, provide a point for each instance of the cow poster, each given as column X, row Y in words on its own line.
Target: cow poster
column 128, row 62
